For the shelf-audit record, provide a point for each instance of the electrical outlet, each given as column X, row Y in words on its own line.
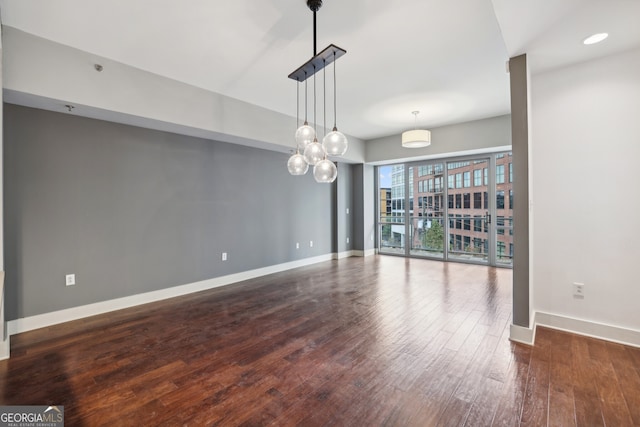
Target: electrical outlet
column 578, row 290
column 297, row 245
column 310, row 243
column 347, row 211
column 70, row 279
column 224, row 256
column 347, row 240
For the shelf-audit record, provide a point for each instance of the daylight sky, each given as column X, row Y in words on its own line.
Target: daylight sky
column 385, row 176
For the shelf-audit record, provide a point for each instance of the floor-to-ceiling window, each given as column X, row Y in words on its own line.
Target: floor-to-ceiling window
column 468, row 210
column 453, row 209
column 426, row 222
column 391, row 203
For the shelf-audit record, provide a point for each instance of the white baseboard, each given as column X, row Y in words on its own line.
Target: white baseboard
column 364, row 253
column 590, row 329
column 345, row 254
column 5, row 348
column 354, row 252
column 587, row 328
column 48, row 319
column 522, row 335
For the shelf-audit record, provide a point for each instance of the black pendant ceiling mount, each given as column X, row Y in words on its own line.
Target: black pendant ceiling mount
column 319, row 60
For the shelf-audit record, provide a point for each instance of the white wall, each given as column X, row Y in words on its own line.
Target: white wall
column 43, row 74
column 477, row 136
column 586, row 152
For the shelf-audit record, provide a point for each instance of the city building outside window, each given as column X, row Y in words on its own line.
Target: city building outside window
column 500, row 174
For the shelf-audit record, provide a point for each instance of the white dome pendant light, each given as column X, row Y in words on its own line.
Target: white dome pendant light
column 416, row 138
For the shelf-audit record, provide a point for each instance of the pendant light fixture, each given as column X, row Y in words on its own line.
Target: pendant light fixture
column 297, row 165
column 416, row 138
column 325, row 171
column 334, row 143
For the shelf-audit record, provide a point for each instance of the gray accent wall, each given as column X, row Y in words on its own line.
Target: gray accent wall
column 363, row 207
column 1, row 176
column 358, row 207
column 344, row 198
column 4, row 347
column 369, row 209
column 131, row 210
column 520, row 137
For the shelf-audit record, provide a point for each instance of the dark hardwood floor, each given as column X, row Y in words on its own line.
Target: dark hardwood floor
column 376, row 341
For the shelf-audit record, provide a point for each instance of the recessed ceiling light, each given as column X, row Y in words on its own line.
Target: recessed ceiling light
column 596, row 38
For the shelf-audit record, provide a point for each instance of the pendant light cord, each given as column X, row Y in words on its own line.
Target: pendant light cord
column 297, row 112
column 335, row 114
column 324, row 103
column 324, row 95
column 314, row 101
column 306, row 91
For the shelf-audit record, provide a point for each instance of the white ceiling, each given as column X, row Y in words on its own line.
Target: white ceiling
column 444, row 58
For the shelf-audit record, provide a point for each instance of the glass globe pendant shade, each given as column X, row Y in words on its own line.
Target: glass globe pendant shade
column 335, row 143
column 297, row 165
column 325, row 171
column 314, row 152
column 305, row 136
